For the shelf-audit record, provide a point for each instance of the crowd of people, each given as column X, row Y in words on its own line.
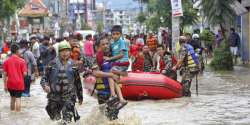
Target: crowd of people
column 60, row 61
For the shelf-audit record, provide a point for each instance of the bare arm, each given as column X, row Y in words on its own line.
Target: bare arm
column 119, row 56
column 5, row 78
column 179, row 63
column 99, row 73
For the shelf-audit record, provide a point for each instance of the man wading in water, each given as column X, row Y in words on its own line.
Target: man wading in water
column 59, row 83
column 189, row 62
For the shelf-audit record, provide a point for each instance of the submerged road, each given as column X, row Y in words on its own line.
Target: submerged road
column 224, row 99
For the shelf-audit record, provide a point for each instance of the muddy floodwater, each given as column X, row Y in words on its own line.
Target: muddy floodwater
column 224, row 99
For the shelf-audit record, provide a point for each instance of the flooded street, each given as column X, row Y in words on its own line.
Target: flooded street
column 224, row 99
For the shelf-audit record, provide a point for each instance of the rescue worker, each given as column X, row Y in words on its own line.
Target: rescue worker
column 152, row 42
column 188, row 61
column 61, row 84
column 198, row 48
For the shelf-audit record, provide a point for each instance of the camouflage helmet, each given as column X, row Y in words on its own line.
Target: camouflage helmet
column 64, row 45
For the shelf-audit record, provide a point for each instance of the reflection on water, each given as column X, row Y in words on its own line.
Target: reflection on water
column 224, row 99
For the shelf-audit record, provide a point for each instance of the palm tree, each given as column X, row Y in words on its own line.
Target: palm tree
column 218, row 12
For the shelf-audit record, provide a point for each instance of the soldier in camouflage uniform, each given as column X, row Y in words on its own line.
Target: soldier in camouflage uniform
column 61, row 82
column 189, row 69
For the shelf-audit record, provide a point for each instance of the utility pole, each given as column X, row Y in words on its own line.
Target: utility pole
column 86, row 11
column 67, row 7
column 141, row 7
column 94, row 7
column 105, row 3
column 78, row 19
column 176, row 14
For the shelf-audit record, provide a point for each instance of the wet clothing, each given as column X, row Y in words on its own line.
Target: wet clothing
column 188, row 70
column 65, row 87
column 15, row 93
column 15, row 67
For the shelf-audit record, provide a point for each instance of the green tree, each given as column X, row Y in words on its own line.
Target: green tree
column 207, row 37
column 100, row 27
column 190, row 16
column 156, row 10
column 162, row 9
column 220, row 12
column 9, row 7
column 141, row 18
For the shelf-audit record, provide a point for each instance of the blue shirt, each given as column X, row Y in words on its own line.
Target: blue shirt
column 117, row 47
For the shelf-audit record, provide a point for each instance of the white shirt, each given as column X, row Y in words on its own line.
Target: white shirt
column 56, row 45
column 35, row 50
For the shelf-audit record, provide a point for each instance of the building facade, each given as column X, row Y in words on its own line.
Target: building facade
column 119, row 17
column 245, row 28
column 32, row 18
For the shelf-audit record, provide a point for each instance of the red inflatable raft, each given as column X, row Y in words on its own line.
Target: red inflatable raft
column 142, row 85
column 138, row 86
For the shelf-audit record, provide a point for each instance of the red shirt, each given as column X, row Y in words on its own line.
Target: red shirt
column 134, row 50
column 5, row 48
column 138, row 65
column 99, row 57
column 15, row 67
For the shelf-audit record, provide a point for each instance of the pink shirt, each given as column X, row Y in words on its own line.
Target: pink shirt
column 89, row 48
